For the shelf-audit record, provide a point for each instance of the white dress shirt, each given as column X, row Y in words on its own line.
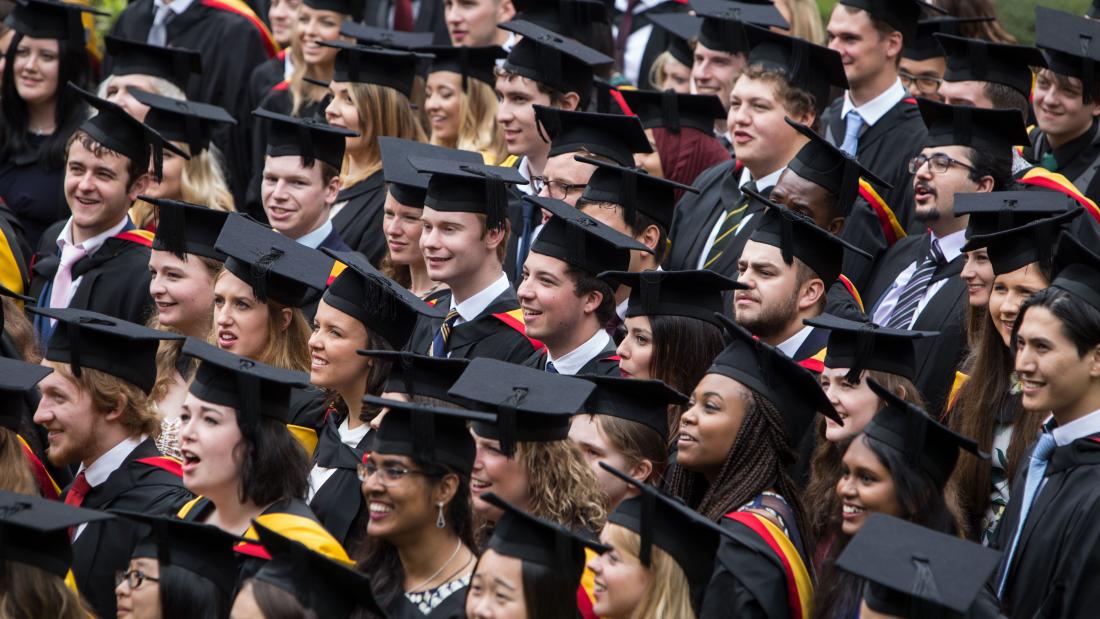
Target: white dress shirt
column 318, row 236
column 90, row 247
column 636, row 42
column 473, row 307
column 176, row 6
column 951, row 246
column 101, row 468
column 876, row 108
column 320, row 474
column 571, row 362
column 768, row 180
column 791, row 345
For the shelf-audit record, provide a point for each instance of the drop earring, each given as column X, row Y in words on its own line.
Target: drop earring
column 440, row 522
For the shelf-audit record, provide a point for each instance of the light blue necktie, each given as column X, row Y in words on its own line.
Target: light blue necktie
column 1036, row 467
column 851, row 133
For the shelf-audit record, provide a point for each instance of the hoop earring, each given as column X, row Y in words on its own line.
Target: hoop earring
column 440, row 522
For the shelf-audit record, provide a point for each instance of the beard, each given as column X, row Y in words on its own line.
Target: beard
column 772, row 319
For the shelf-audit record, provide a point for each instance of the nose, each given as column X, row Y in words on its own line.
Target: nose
column 845, row 488
column 187, row 430
column 595, row 564
column 223, row 316
column 330, row 111
column 86, row 183
column 156, row 285
column 623, row 350
column 525, row 291
column 42, row 413
column 316, row 342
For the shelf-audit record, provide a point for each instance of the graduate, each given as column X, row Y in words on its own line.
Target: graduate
column 923, row 61
column 22, row 466
column 460, row 101
column 136, row 65
column 585, row 21
column 474, row 24
column 671, row 52
column 640, row 45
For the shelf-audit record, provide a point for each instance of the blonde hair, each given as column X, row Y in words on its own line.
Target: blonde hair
column 15, row 475
column 168, row 352
column 657, row 72
column 561, row 486
column 668, row 593
column 383, row 111
column 159, row 85
column 298, row 86
column 20, row 330
column 202, row 182
column 806, row 21
column 27, row 591
column 286, row 349
column 108, row 392
column 478, row 130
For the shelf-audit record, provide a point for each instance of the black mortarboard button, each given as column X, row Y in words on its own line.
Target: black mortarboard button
column 177, row 120
column 672, row 110
column 923, row 441
column 864, row 345
column 1070, row 44
column 115, row 129
column 430, row 434
column 123, row 349
column 925, row 46
column 477, row 63
column 582, row 241
column 385, row 307
column 684, row 29
column 420, row 375
column 461, row 187
column 16, row 378
column 813, row 68
column 253, row 388
column 307, row 138
column 635, row 190
column 542, row 542
column 351, row 8
column 185, row 228
column 277, row 267
column 563, row 16
column 988, row 130
column 902, row 15
column 692, row 294
column 641, row 401
column 552, row 59
column 1030, row 243
column 1077, row 270
column 614, row 136
column 1000, row 210
column 404, row 183
column 531, row 405
column 977, row 60
column 914, row 571
column 393, row 39
column 175, row 64
column 797, row 236
column 829, row 167
column 723, row 27
column 49, row 19
column 35, row 531
column 325, row 586
column 204, row 550
column 382, row 66
column 766, row 370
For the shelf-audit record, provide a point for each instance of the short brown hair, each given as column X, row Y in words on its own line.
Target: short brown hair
column 108, row 392
column 557, row 98
column 134, row 169
column 796, row 101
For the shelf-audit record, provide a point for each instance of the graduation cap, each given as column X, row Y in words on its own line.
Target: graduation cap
column 797, row 236
column 404, row 183
column 723, row 27
column 813, row 68
column 977, row 60
column 684, row 29
column 542, row 542
column 902, row 15
column 327, row 587
column 826, row 166
column 692, row 294
column 420, row 375
column 50, row 19
column 385, row 307
column 992, row 212
column 394, row 39
column 672, row 110
column 615, row 136
column 429, row 434
column 1070, row 44
column 186, row 228
column 177, row 120
column 115, row 129
column 1077, row 270
column 582, row 241
column 351, row 8
column 456, row 186
column 175, row 64
column 308, row 138
column 253, row 388
column 562, row 16
column 641, row 401
column 766, row 370
column 925, row 45
column 552, row 59
column 16, row 378
column 1018, row 247
column 86, row 339
column 35, row 531
column 989, row 130
column 667, row 523
column 634, row 189
column 925, row 442
column 1094, row 10
column 277, row 267
column 392, row 68
column 478, row 63
column 909, row 567
column 204, row 550
column 864, row 345
column 6, row 292
column 531, row 405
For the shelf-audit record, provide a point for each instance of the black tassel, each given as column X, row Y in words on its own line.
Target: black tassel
column 74, row 349
column 506, row 420
column 628, row 197
column 496, row 198
column 305, row 142
column 157, row 148
column 865, row 344
column 193, row 128
column 464, row 67
column 963, row 128
column 670, row 110
column 352, row 65
column 924, row 583
column 649, row 293
column 423, row 431
column 378, row 298
column 786, row 237
column 849, row 184
column 248, row 388
column 171, row 224
column 649, row 509
column 407, row 374
column 260, row 270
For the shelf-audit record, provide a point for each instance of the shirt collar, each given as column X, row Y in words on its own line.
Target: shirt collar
column 473, row 307
column 108, row 463
column 1076, row 429
column 952, row 244
column 89, row 245
column 177, row 6
column 318, row 236
column 876, row 108
column 768, row 180
column 793, row 343
column 571, row 362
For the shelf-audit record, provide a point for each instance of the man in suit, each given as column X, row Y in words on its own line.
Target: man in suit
column 414, row 16
column 916, row 284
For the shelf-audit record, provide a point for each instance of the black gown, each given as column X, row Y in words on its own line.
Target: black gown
column 452, row 606
column 34, row 192
column 658, row 41
column 146, row 482
column 266, row 76
column 338, row 503
column 359, row 222
column 1079, row 160
column 604, row 364
column 496, row 333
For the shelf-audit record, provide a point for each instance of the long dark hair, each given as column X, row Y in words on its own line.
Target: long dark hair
column 547, row 594
column 683, row 350
column 274, row 466
column 73, row 66
column 187, row 595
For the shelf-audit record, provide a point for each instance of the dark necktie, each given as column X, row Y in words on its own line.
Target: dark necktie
column 626, row 24
column 916, row 288
column 735, row 213
column 550, row 367
column 524, row 246
column 403, row 15
column 439, row 343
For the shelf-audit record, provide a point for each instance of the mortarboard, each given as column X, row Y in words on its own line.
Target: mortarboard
column 813, row 68
column 204, row 550
column 672, row 110
column 307, row 138
column 430, row 434
column 692, row 294
column 723, row 26
column 531, row 405
column 976, row 60
column 477, row 63
column 50, row 19
column 86, row 339
column 175, row 64
column 551, row 59
column 420, row 375
column 35, row 531
column 684, row 29
column 634, row 189
column 925, row 45
column 385, row 307
column 902, row 15
column 16, row 378
column 641, row 401
column 1000, row 210
column 404, row 183
column 864, row 345
column 582, row 241
column 1070, row 44
column 392, row 68
column 1018, row 247
column 988, row 130
column 384, row 37
column 827, row 166
column 177, row 120
column 1077, row 270
column 277, row 267
column 615, row 136
column 350, row 8
column 185, row 228
column 562, row 16
column 456, row 186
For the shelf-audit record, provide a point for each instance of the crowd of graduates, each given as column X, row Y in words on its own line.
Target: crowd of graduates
column 548, row 309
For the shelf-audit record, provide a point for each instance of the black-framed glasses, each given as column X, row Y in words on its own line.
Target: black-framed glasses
column 391, row 474
column 926, row 84
column 133, row 578
column 939, row 163
column 558, row 190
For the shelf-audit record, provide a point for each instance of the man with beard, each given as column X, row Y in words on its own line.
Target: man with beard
column 915, row 285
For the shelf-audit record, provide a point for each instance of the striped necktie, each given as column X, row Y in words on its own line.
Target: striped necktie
column 726, row 230
column 439, row 343
column 916, row 288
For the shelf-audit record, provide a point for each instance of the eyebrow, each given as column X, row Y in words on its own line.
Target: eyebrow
column 501, row 583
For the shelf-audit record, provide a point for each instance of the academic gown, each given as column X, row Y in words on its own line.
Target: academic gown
column 266, row 76
column 338, row 503
column 516, row 207
column 604, row 364
column 359, row 222
column 430, row 18
column 937, row 357
column 658, row 41
column 148, row 483
column 33, row 191
column 15, row 253
column 307, row 408
column 496, row 333
column 885, row 148
column 452, row 607
column 1079, row 160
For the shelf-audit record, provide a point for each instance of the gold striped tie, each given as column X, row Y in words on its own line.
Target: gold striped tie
column 729, row 225
column 439, row 344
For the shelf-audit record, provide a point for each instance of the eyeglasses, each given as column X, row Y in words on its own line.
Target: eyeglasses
column 390, row 474
column 926, row 84
column 133, row 578
column 558, row 190
column 939, row 163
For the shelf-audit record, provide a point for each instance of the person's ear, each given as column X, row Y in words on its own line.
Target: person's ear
column 1094, row 369
column 810, row 294
column 836, row 225
column 285, row 316
column 139, row 186
column 570, row 101
column 985, row 184
column 446, row 489
column 642, row 470
column 332, row 190
column 592, row 301
column 650, row 237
